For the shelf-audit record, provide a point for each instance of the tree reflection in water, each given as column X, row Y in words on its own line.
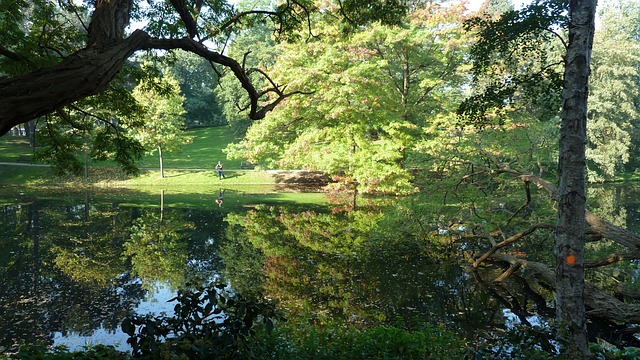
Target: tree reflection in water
column 76, row 263
column 328, row 266
column 72, row 265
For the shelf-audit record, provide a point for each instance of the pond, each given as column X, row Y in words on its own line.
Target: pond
column 75, row 264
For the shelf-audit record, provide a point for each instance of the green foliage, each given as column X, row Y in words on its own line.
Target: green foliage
column 197, row 81
column 604, row 352
column 339, row 342
column 613, row 91
column 209, row 322
column 60, row 150
column 390, row 12
column 163, row 128
column 372, row 94
column 519, row 342
column 124, row 150
column 259, row 51
column 157, row 248
column 517, row 64
column 37, row 33
column 95, row 129
column 61, row 353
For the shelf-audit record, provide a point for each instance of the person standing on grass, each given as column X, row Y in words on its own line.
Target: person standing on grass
column 219, row 170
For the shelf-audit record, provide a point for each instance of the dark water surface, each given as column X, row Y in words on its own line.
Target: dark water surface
column 74, row 264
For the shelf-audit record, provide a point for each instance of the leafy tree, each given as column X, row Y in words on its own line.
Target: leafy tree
column 164, row 124
column 157, row 249
column 36, row 34
column 516, row 28
column 197, row 79
column 496, row 7
column 613, row 90
column 85, row 60
column 258, row 48
column 372, row 94
column 97, row 128
column 517, row 66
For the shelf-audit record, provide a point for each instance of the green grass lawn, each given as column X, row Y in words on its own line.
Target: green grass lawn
column 188, row 171
column 202, row 153
column 12, row 147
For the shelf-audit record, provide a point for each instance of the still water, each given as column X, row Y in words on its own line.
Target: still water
column 75, row 264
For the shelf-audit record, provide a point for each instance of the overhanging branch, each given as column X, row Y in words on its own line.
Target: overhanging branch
column 256, row 111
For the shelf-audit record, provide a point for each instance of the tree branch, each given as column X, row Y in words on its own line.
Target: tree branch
column 611, row 259
column 508, row 241
column 256, row 112
column 186, row 17
column 15, row 56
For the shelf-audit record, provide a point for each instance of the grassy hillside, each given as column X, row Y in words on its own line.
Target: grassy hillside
column 190, row 170
column 203, row 153
column 11, row 148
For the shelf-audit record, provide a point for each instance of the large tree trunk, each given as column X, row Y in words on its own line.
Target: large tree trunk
column 82, row 74
column 570, row 228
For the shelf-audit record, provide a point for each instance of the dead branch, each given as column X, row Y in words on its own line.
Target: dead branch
column 513, row 268
column 508, row 241
column 598, row 302
column 599, row 226
column 611, row 259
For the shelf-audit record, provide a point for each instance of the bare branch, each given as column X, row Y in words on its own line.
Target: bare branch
column 513, row 268
column 611, row 259
column 510, row 240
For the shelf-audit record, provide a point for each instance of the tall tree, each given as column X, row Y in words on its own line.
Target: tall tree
column 198, row 80
column 163, row 116
column 510, row 34
column 258, row 48
column 570, row 228
column 372, row 94
column 613, row 90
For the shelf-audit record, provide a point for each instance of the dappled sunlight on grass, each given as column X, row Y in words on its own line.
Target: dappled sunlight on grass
column 11, row 148
column 202, row 179
column 203, row 153
column 26, row 175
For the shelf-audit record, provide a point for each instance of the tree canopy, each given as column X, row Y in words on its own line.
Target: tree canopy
column 56, row 57
column 45, row 71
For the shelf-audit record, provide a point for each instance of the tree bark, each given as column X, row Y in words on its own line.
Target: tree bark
column 570, row 227
column 90, row 70
column 85, row 73
column 161, row 162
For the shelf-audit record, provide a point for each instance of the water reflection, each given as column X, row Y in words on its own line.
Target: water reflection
column 327, row 267
column 74, row 265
